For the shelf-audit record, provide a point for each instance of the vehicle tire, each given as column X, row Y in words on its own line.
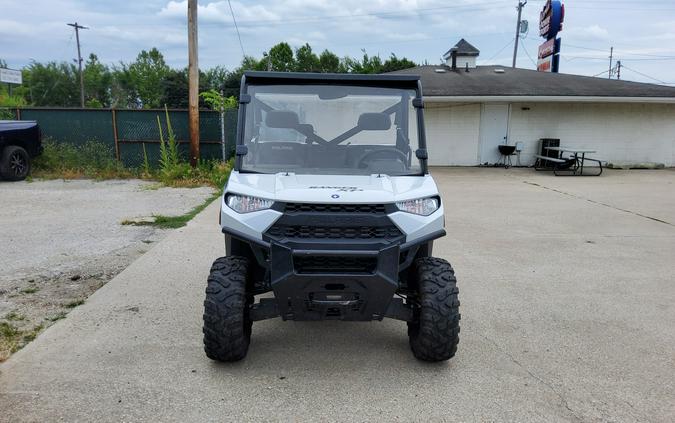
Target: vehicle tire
column 14, row 163
column 227, row 326
column 434, row 334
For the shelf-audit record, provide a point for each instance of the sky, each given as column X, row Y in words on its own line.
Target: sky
column 641, row 32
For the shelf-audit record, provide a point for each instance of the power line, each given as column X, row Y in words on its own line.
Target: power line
column 645, row 75
column 530, row 57
column 500, row 50
column 237, row 28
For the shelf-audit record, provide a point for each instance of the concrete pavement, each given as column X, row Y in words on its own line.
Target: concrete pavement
column 567, row 315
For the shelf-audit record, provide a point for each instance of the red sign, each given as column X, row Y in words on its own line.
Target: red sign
column 547, row 48
column 545, row 64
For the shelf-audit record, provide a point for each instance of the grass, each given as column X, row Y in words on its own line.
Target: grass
column 14, row 316
column 173, row 222
column 13, row 339
column 31, row 290
column 56, row 317
column 95, row 160
column 74, row 304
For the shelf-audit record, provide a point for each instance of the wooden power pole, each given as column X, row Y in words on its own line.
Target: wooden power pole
column 521, row 4
column 193, row 77
column 79, row 58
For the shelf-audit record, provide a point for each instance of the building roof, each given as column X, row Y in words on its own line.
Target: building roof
column 489, row 81
column 464, row 48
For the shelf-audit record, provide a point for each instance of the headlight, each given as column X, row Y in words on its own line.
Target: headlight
column 247, row 204
column 421, row 206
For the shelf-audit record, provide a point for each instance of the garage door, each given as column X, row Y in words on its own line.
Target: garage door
column 452, row 133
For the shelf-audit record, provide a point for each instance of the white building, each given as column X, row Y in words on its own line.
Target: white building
column 470, row 110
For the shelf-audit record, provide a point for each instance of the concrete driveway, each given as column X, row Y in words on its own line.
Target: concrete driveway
column 567, row 315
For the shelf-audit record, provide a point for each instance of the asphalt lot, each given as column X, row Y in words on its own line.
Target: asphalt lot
column 567, row 315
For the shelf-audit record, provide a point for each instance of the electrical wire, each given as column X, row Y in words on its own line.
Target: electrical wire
column 528, row 55
column 645, row 75
column 501, row 49
column 237, row 28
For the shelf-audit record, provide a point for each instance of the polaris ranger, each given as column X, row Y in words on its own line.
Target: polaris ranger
column 331, row 208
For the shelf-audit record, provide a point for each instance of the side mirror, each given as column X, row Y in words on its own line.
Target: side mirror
column 421, row 154
column 374, row 122
column 241, row 150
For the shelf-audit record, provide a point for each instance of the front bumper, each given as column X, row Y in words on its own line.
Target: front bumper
column 359, row 287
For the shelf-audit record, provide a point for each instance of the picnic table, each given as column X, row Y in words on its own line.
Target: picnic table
column 572, row 166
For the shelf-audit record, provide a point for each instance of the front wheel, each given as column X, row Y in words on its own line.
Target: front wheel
column 227, row 326
column 434, row 334
column 14, row 163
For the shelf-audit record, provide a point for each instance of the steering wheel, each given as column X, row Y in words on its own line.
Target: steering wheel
column 395, row 154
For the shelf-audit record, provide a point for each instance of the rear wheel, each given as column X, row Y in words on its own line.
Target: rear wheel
column 14, row 163
column 227, row 326
column 434, row 334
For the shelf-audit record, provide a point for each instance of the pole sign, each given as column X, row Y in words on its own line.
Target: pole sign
column 10, row 76
column 550, row 23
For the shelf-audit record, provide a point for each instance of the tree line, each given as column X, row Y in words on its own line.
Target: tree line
column 148, row 82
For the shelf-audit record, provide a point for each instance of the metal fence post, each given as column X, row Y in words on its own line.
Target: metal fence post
column 114, row 128
column 222, row 127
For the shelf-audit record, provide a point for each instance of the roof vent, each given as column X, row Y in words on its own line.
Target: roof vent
column 440, row 70
column 499, row 70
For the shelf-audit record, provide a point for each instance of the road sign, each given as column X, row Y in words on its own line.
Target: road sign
column 10, row 76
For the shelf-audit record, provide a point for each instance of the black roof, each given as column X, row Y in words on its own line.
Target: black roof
column 464, row 48
column 377, row 80
column 489, row 81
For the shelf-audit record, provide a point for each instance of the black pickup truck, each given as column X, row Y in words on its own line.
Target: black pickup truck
column 20, row 142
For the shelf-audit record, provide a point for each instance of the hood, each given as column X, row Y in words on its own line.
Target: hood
column 365, row 189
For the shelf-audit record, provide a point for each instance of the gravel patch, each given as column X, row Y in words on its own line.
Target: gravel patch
column 62, row 240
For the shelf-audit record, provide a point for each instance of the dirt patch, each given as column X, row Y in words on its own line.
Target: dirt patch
column 62, row 240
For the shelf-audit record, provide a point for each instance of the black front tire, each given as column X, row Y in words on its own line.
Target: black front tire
column 14, row 163
column 227, row 326
column 434, row 334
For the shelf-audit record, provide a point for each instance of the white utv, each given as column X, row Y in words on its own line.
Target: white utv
column 331, row 208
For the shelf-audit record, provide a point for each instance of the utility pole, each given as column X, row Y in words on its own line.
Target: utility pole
column 611, row 56
column 79, row 58
column 618, row 69
column 193, row 78
column 521, row 4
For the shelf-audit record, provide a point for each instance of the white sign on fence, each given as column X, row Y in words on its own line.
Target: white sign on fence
column 10, row 76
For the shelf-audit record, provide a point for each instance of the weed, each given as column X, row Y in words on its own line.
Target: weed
column 92, row 159
column 74, row 304
column 172, row 222
column 31, row 290
column 14, row 316
column 56, row 317
column 29, row 336
column 8, row 330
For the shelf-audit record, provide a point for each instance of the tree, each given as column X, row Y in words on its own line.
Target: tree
column 146, row 74
column 280, row 58
column 393, row 63
column 51, row 84
column 329, row 62
column 97, row 83
column 306, row 60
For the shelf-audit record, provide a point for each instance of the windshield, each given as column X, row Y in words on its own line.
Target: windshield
column 328, row 129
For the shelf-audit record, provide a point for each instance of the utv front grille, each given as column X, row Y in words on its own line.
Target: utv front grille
column 334, row 264
column 334, row 208
column 325, row 232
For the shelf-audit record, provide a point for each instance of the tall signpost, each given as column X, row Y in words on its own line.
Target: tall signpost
column 550, row 23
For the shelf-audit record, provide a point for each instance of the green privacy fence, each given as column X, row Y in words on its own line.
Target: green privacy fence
column 126, row 131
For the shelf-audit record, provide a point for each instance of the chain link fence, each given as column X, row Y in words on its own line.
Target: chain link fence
column 131, row 134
